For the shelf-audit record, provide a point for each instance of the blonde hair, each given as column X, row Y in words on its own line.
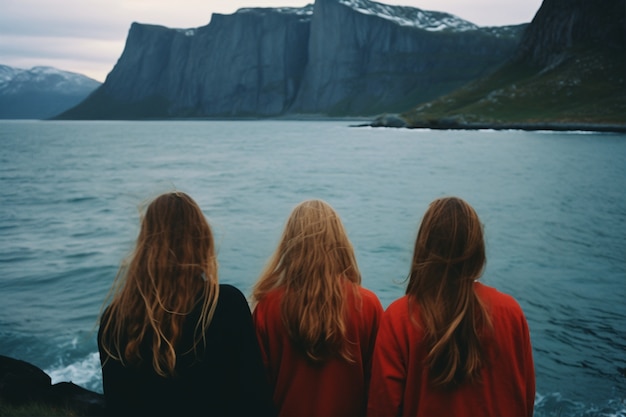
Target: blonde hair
column 312, row 263
column 172, row 268
column 449, row 256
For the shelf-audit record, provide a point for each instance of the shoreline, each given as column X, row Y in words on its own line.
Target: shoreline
column 544, row 126
column 397, row 121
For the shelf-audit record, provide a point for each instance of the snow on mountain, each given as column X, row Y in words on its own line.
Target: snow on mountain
column 7, row 74
column 402, row 15
column 42, row 78
column 40, row 92
column 300, row 11
column 411, row 16
column 188, row 32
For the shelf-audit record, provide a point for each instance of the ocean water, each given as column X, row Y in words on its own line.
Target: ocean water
column 553, row 206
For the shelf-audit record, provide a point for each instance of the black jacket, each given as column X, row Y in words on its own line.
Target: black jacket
column 227, row 378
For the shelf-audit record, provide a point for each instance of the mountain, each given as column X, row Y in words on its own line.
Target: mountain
column 568, row 73
column 336, row 57
column 40, row 92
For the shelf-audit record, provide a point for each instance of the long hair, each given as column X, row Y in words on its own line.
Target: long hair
column 312, row 263
column 172, row 268
column 449, row 256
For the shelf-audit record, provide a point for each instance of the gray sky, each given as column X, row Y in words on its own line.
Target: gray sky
column 87, row 36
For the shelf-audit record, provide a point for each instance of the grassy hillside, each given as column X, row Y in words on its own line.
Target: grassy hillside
column 589, row 87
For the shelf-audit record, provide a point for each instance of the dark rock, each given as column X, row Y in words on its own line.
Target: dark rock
column 23, row 383
column 389, row 120
column 83, row 401
column 561, row 25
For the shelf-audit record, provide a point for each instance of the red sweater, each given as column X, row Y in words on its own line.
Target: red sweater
column 335, row 388
column 399, row 384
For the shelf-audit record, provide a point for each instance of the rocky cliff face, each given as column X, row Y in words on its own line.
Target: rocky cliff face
column 247, row 63
column 560, row 25
column 568, row 74
column 338, row 57
column 365, row 57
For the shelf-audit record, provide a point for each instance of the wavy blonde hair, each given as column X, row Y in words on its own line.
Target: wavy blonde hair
column 312, row 263
column 449, row 256
column 172, row 268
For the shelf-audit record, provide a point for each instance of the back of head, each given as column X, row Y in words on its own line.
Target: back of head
column 450, row 239
column 176, row 242
column 315, row 241
column 172, row 268
column 449, row 256
column 312, row 263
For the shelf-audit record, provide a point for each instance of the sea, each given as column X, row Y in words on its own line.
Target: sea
column 553, row 205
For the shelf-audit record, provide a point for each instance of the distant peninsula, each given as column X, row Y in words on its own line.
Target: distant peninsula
column 568, row 73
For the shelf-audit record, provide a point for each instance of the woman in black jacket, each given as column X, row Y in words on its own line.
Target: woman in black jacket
column 172, row 340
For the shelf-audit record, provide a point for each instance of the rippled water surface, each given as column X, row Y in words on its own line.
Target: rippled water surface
column 553, row 205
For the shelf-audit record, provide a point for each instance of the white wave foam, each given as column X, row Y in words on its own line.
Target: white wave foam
column 549, row 404
column 85, row 372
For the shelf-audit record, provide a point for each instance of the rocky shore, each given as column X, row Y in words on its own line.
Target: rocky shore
column 393, row 120
column 23, row 384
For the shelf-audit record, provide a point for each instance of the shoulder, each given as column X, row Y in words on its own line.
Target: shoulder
column 231, row 292
column 269, row 305
column 231, row 300
column 365, row 306
column 495, row 298
column 503, row 308
column 272, row 297
column 103, row 319
column 105, row 314
column 397, row 314
column 395, row 324
column 266, row 311
column 369, row 298
column 399, row 307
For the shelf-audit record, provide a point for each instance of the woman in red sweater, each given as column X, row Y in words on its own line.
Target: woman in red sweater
column 452, row 346
column 315, row 324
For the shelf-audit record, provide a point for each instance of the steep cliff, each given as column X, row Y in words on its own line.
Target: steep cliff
column 255, row 64
column 248, row 63
column 337, row 57
column 568, row 73
column 561, row 25
column 366, row 58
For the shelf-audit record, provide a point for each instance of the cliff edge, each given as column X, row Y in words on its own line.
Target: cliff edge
column 333, row 58
column 568, row 73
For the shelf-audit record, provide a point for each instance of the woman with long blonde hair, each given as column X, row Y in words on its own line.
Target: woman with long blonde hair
column 173, row 341
column 452, row 346
column 315, row 323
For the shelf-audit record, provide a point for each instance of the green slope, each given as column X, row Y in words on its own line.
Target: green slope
column 588, row 87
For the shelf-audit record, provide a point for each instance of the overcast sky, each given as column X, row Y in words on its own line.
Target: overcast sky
column 87, row 36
